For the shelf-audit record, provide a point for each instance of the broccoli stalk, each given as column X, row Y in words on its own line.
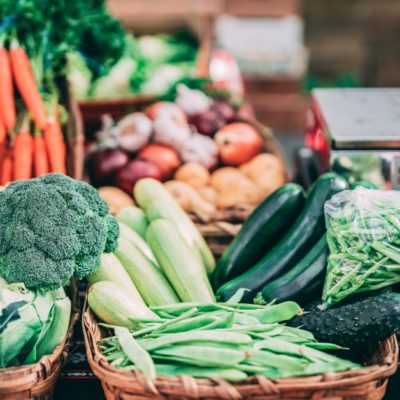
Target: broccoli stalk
column 53, row 228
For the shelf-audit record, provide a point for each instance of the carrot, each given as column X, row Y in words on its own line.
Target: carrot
column 40, row 157
column 56, row 150
column 26, row 84
column 3, row 132
column 6, row 168
column 7, row 103
column 23, row 154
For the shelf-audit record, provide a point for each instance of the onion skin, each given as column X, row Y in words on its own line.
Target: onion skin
column 103, row 163
column 127, row 176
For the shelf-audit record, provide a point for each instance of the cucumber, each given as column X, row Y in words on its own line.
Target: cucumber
column 158, row 203
column 303, row 283
column 264, row 228
column 147, row 277
column 113, row 306
column 304, row 233
column 356, row 325
column 179, row 263
column 135, row 218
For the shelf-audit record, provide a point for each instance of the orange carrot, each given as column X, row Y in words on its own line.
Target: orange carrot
column 3, row 132
column 56, row 150
column 40, row 157
column 23, row 154
column 26, row 84
column 7, row 103
column 6, row 169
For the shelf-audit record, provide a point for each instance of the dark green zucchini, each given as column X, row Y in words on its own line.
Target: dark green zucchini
column 264, row 228
column 304, row 233
column 355, row 325
column 303, row 283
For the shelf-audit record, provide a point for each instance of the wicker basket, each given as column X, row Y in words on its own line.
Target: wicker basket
column 220, row 228
column 367, row 383
column 37, row 381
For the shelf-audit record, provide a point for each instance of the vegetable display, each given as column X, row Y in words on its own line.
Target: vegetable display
column 33, row 54
column 205, row 168
column 144, row 65
column 52, row 228
column 302, row 235
column 176, row 327
column 363, row 231
column 225, row 340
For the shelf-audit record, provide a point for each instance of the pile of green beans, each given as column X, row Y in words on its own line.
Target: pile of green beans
column 226, row 340
column 364, row 243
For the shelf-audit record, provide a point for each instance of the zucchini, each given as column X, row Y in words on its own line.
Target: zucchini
column 111, row 270
column 178, row 262
column 158, row 203
column 303, row 283
column 113, row 306
column 357, row 324
column 304, row 233
column 147, row 277
column 135, row 218
column 264, row 228
column 129, row 234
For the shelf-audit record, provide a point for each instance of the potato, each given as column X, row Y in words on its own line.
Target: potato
column 223, row 178
column 188, row 198
column 196, row 175
column 115, row 198
column 262, row 164
column 241, row 192
column 208, row 193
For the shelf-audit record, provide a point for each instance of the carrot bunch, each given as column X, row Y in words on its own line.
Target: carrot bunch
column 24, row 155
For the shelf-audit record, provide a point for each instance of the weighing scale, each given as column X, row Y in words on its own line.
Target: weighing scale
column 357, row 133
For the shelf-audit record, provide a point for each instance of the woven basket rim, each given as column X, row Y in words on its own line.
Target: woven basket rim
column 41, row 376
column 134, row 380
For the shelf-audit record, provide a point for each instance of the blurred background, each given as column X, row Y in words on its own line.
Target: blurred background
column 284, row 48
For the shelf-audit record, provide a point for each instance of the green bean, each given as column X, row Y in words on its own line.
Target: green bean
column 188, row 324
column 277, row 313
column 229, row 374
column 279, row 361
column 221, row 356
column 136, row 353
column 194, row 336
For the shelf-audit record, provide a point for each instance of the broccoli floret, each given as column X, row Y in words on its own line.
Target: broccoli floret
column 52, row 228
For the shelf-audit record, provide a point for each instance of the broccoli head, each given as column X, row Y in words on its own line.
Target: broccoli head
column 53, row 228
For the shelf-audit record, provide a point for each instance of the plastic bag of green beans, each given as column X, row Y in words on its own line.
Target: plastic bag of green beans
column 364, row 242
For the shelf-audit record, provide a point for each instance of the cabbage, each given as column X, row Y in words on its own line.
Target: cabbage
column 25, row 317
column 79, row 75
column 117, row 82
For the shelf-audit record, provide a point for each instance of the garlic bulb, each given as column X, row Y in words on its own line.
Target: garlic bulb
column 134, row 131
column 192, row 101
column 200, row 149
column 171, row 130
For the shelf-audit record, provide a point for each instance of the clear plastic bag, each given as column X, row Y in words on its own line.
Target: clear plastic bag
column 364, row 242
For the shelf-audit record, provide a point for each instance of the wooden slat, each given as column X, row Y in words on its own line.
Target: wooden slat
column 127, row 9
column 263, row 8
